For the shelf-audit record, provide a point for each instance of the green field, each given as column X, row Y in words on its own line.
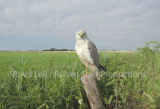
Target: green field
column 42, row 80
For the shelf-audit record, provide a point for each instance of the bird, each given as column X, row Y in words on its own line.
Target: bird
column 87, row 53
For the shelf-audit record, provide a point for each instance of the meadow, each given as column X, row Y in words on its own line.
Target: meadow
column 51, row 80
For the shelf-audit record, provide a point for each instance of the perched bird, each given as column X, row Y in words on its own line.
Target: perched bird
column 87, row 53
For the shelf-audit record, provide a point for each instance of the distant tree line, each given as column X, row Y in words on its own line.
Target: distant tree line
column 54, row 49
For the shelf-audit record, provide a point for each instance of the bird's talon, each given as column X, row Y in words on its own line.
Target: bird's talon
column 85, row 74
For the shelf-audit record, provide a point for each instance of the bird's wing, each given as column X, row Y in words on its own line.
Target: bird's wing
column 93, row 54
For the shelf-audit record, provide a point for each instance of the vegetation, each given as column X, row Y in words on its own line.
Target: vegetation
column 54, row 49
column 46, row 80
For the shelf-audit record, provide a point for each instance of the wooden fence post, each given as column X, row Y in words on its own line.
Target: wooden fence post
column 92, row 91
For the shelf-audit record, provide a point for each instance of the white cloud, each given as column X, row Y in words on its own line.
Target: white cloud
column 112, row 21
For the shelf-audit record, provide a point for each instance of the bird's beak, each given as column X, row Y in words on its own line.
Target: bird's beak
column 82, row 35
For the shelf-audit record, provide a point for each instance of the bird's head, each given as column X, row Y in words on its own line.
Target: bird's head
column 81, row 35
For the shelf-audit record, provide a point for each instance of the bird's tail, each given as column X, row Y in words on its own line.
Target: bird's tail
column 102, row 68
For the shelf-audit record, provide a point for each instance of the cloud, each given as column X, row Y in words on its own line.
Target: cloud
column 115, row 22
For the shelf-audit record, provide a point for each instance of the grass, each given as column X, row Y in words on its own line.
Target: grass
column 47, row 80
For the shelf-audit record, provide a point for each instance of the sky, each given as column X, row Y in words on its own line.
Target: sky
column 110, row 24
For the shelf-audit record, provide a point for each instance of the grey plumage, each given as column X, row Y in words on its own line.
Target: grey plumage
column 94, row 55
column 87, row 52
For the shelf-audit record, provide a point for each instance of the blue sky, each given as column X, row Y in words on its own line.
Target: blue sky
column 110, row 24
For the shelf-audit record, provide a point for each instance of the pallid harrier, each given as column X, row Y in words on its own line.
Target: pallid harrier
column 87, row 53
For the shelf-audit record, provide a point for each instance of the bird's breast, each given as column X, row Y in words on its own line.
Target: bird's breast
column 81, row 49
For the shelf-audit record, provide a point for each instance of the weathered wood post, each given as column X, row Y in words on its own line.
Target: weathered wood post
column 92, row 91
